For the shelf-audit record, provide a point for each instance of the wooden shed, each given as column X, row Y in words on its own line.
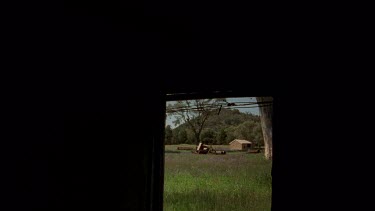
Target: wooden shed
column 238, row 144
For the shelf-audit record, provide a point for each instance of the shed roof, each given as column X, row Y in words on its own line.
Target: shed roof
column 241, row 141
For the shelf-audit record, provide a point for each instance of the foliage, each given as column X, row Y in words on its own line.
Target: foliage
column 223, row 128
column 168, row 135
column 194, row 114
column 182, row 136
column 221, row 136
column 208, row 136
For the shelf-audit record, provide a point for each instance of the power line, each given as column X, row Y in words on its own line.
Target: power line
column 173, row 110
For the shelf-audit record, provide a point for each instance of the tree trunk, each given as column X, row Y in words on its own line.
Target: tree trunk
column 197, row 138
column 266, row 123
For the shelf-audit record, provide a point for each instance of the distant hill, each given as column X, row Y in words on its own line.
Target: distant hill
column 220, row 129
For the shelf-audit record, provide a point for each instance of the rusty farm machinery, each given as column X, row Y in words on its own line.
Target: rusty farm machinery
column 205, row 149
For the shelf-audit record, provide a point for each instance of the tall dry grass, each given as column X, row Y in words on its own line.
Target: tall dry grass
column 235, row 181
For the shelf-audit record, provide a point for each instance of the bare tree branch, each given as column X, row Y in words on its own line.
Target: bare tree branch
column 195, row 113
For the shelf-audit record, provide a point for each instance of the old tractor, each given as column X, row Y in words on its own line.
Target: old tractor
column 205, row 149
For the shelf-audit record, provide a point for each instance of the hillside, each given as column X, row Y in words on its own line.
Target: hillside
column 219, row 129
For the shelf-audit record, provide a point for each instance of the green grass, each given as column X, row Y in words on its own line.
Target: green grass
column 235, row 181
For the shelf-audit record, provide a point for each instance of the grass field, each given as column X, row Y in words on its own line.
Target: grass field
column 235, row 181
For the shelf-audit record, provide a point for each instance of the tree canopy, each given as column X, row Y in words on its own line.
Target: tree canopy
column 194, row 114
column 221, row 128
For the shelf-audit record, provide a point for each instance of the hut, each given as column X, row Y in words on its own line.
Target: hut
column 238, row 144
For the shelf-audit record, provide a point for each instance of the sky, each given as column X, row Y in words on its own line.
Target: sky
column 170, row 119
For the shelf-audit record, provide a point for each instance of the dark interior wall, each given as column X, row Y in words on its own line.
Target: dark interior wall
column 89, row 152
column 108, row 154
column 106, row 163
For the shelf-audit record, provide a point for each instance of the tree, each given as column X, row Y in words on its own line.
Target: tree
column 195, row 113
column 258, row 137
column 221, row 136
column 182, row 137
column 208, row 136
column 230, row 134
column 190, row 137
column 265, row 109
column 245, row 130
column 168, row 135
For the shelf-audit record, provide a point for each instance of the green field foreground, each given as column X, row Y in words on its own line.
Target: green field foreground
column 235, row 181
